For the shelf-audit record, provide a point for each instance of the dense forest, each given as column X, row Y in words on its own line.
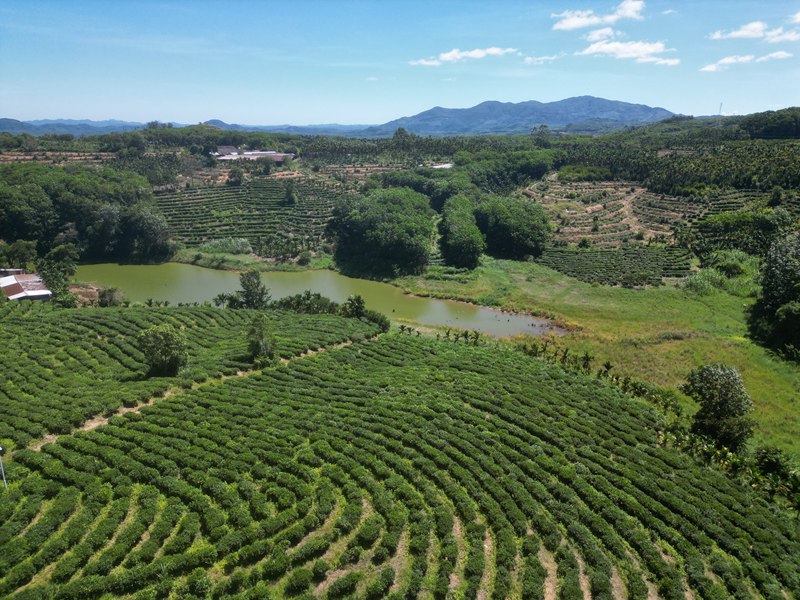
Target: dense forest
column 107, row 213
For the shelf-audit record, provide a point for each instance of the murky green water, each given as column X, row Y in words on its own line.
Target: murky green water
column 188, row 283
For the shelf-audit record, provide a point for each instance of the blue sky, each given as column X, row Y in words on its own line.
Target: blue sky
column 360, row 61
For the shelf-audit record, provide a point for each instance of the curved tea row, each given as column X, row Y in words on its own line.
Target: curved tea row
column 399, row 467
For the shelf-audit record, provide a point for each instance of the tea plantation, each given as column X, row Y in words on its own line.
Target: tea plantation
column 257, row 209
column 629, row 265
column 61, row 367
column 397, row 467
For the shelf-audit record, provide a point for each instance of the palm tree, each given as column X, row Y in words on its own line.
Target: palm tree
column 607, row 366
column 586, row 361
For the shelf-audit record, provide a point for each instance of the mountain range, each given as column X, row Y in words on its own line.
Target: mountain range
column 580, row 114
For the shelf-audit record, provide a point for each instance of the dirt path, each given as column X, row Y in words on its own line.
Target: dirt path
column 618, row 585
column 456, row 577
column 400, row 562
column 583, row 579
column 652, row 592
column 98, row 421
column 551, row 580
column 484, row 591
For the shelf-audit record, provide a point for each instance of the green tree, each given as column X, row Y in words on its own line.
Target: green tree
column 55, row 269
column 260, row 341
column 353, row 307
column 235, row 175
column 725, row 405
column 254, row 293
column 514, row 228
column 290, row 196
column 20, row 253
column 462, row 241
column 164, row 349
column 386, row 232
column 775, row 318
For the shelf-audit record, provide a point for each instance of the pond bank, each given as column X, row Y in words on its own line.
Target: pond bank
column 181, row 283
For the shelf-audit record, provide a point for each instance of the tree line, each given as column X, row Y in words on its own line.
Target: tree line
column 103, row 212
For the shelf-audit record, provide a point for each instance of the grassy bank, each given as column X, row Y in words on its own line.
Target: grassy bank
column 657, row 334
column 243, row 262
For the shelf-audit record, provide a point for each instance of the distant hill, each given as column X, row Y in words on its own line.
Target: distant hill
column 326, row 129
column 507, row 117
column 66, row 126
column 584, row 114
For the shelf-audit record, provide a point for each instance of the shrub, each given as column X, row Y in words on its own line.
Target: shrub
column 298, row 581
column 344, row 585
column 320, row 569
column 164, row 349
column 227, row 246
column 725, row 405
column 260, row 341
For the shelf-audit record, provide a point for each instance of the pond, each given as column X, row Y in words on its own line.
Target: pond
column 188, row 283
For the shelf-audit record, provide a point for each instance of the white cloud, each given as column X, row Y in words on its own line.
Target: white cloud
column 456, row 55
column 795, row 18
column 540, row 60
column 779, row 55
column 753, row 30
column 577, row 19
column 779, row 35
column 425, row 62
column 756, row 30
column 738, row 59
column 372, row 79
column 669, row 11
column 732, row 60
column 657, row 60
column 600, row 34
column 643, row 52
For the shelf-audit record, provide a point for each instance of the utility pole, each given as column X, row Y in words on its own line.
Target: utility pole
column 2, row 470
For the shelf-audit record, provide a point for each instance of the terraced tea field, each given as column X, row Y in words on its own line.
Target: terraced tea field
column 256, row 210
column 616, row 219
column 400, row 467
column 62, row 367
column 630, row 265
column 610, row 213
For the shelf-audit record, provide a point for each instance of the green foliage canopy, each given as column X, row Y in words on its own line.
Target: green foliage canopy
column 261, row 342
column 776, row 316
column 254, row 294
column 164, row 348
column 104, row 212
column 386, row 232
column 462, row 241
column 725, row 405
column 514, row 228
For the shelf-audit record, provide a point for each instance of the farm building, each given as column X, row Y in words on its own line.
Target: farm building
column 233, row 153
column 24, row 287
column 278, row 157
column 226, row 151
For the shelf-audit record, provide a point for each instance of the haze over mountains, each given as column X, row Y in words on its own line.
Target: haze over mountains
column 580, row 114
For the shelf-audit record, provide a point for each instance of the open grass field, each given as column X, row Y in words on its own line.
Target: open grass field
column 656, row 334
column 401, row 467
